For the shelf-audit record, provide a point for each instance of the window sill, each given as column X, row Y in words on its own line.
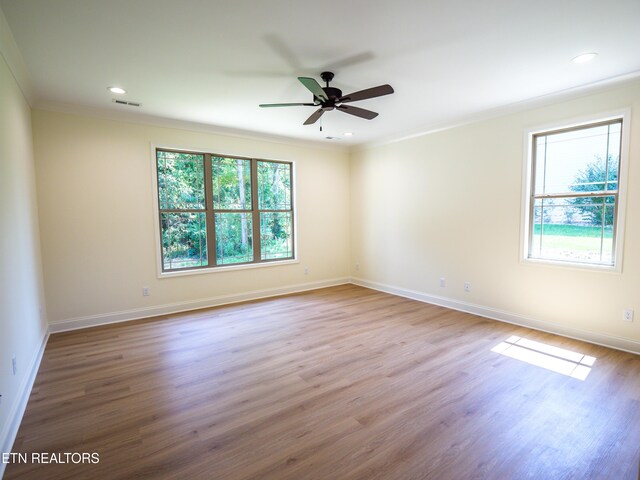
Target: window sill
column 228, row 268
column 572, row 265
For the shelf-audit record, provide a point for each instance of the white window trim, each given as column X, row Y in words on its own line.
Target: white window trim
column 625, row 115
column 226, row 268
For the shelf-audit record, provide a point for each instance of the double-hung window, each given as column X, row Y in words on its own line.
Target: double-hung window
column 217, row 210
column 573, row 204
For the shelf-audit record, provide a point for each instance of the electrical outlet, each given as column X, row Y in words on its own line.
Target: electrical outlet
column 357, row 267
column 14, row 365
column 627, row 315
column 443, row 282
column 145, row 291
column 306, row 270
column 467, row 287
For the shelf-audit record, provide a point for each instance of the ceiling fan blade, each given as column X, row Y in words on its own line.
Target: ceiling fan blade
column 314, row 117
column 314, row 87
column 372, row 92
column 265, row 105
column 358, row 112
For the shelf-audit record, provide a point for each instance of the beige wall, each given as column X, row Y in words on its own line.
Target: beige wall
column 96, row 217
column 448, row 205
column 22, row 315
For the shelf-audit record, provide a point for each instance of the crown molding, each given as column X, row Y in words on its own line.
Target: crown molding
column 536, row 102
column 156, row 121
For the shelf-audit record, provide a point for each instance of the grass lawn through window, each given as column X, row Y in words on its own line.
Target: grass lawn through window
column 574, row 243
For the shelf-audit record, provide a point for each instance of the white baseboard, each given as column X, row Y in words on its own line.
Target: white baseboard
column 619, row 343
column 10, row 429
column 176, row 307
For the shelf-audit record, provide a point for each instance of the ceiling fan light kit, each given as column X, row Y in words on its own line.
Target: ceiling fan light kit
column 331, row 98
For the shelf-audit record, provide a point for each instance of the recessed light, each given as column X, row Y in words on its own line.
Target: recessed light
column 584, row 57
column 118, row 90
column 348, row 134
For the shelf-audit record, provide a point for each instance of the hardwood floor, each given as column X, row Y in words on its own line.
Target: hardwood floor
column 337, row 383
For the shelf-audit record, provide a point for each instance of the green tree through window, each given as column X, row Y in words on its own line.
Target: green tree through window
column 594, row 179
column 217, row 210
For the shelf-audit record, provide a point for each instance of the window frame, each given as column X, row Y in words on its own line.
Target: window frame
column 528, row 197
column 210, row 213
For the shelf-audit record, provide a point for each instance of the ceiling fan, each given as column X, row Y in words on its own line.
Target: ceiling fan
column 329, row 98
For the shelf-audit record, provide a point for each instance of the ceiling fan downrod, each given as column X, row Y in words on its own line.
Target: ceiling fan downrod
column 327, row 77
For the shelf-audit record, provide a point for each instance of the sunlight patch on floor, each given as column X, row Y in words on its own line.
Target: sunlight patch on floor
column 559, row 360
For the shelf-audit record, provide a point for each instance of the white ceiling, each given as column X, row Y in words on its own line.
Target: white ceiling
column 213, row 62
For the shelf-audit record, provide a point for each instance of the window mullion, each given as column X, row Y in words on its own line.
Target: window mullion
column 182, row 210
column 210, row 216
column 544, row 172
column 606, row 161
column 291, row 185
column 255, row 216
column 541, row 226
column 602, row 225
column 597, row 194
column 614, row 233
column 534, row 166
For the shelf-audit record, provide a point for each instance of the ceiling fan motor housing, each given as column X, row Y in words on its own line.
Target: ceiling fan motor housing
column 333, row 93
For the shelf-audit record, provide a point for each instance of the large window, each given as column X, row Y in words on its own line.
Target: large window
column 218, row 210
column 574, row 204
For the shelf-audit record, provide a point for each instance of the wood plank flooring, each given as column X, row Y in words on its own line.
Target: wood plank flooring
column 338, row 383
